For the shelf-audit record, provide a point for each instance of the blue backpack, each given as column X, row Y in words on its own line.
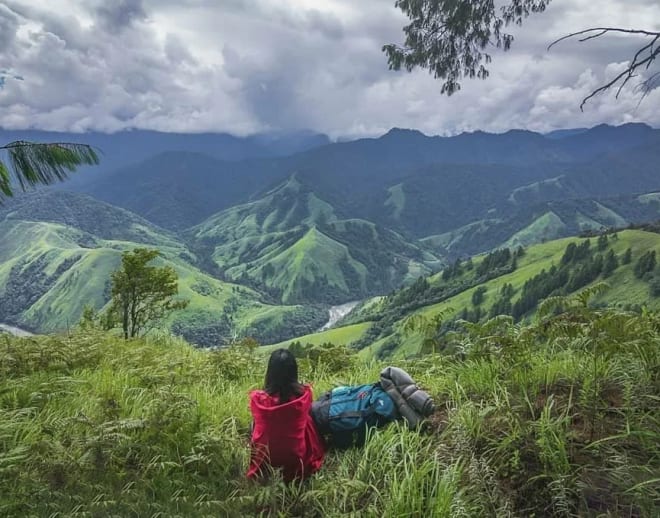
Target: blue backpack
column 345, row 413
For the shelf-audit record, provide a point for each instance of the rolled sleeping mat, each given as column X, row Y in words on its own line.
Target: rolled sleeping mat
column 421, row 402
column 413, row 404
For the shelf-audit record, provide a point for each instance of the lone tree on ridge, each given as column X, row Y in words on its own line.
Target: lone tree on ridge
column 142, row 294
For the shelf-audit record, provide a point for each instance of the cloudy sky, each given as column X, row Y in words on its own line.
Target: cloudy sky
column 245, row 66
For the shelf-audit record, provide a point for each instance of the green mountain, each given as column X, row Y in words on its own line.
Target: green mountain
column 57, row 251
column 293, row 245
column 544, row 222
column 510, row 282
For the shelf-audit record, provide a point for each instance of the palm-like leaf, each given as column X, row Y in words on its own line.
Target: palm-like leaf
column 33, row 163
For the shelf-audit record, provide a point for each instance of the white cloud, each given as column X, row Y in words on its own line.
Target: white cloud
column 251, row 65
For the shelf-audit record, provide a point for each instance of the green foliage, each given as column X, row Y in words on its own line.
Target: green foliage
column 422, row 293
column 503, row 306
column 645, row 264
column 49, row 272
column 290, row 245
column 541, row 273
column 627, row 256
column 427, row 328
column 237, row 362
column 558, row 417
column 575, row 253
column 654, row 286
column 494, row 260
column 478, row 295
column 453, row 270
column 90, row 319
column 611, row 263
column 450, row 38
column 143, row 294
column 32, row 163
column 324, row 358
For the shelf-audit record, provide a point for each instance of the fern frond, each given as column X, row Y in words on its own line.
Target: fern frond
column 587, row 294
column 42, row 163
column 550, row 304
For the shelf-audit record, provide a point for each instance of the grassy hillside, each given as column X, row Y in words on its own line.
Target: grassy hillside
column 344, row 335
column 449, row 295
column 292, row 244
column 51, row 270
column 534, row 421
column 526, row 222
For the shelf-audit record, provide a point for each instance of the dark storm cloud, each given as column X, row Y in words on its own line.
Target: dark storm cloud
column 254, row 65
column 118, row 14
column 8, row 27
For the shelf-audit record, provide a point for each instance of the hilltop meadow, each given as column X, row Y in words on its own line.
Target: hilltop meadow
column 555, row 417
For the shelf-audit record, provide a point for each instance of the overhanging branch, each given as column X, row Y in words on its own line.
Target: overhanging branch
column 634, row 64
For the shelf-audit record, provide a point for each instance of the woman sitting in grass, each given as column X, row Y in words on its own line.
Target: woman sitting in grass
column 284, row 435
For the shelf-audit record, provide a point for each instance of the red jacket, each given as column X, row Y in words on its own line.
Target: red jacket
column 284, row 436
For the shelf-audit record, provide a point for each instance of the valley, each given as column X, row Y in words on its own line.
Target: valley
column 381, row 327
column 337, row 313
column 264, row 244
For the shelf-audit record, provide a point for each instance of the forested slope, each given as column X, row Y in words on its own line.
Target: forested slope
column 510, row 282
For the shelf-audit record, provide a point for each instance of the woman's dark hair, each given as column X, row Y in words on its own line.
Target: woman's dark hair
column 282, row 375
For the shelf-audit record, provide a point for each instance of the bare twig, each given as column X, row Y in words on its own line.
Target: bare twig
column 634, row 64
column 603, row 30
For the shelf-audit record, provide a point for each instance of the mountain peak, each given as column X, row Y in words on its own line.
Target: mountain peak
column 403, row 132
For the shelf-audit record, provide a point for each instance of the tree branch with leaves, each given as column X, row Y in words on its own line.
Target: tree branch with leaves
column 453, row 39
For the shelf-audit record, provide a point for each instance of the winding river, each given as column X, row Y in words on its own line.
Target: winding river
column 336, row 313
column 16, row 331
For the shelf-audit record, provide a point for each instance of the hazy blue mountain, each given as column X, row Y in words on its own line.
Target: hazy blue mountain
column 545, row 221
column 124, row 148
column 605, row 139
column 563, row 133
column 84, row 213
column 180, row 189
column 364, row 215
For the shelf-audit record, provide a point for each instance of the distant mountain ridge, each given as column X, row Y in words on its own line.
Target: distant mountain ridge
column 129, row 147
column 179, row 190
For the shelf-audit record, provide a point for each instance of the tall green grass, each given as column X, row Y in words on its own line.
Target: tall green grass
column 557, row 418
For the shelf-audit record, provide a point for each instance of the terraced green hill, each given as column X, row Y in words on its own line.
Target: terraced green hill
column 293, row 245
column 51, row 270
column 512, row 285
